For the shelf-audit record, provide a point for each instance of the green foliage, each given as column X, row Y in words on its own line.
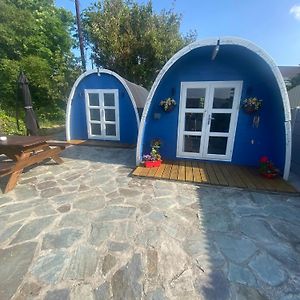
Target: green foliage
column 131, row 39
column 8, row 125
column 35, row 37
column 294, row 82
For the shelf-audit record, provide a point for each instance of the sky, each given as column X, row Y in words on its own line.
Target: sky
column 273, row 25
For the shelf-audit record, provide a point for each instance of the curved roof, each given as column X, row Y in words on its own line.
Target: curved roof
column 137, row 94
column 225, row 41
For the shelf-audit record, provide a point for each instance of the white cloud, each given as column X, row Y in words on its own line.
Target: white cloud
column 295, row 11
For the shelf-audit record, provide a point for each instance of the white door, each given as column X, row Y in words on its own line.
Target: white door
column 207, row 119
column 102, row 114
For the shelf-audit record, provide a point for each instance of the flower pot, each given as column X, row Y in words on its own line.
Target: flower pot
column 152, row 163
column 250, row 110
column 269, row 175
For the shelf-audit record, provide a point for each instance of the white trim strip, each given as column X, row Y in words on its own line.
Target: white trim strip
column 225, row 41
column 81, row 77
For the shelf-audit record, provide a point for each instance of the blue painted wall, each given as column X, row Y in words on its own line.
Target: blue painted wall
column 128, row 121
column 231, row 63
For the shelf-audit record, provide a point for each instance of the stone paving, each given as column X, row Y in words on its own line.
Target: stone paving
column 86, row 230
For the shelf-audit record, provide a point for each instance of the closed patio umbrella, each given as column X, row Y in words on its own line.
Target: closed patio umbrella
column 30, row 117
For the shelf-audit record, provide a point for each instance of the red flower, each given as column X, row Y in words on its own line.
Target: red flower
column 264, row 159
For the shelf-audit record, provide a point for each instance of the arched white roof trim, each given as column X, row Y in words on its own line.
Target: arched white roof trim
column 225, row 41
column 81, row 77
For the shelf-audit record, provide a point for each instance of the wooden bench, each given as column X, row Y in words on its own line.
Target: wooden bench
column 24, row 152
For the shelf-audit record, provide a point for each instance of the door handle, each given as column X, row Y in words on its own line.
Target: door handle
column 209, row 119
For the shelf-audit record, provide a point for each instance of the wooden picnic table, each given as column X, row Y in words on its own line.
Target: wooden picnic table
column 25, row 151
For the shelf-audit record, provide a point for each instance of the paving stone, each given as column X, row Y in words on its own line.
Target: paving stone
column 24, row 192
column 46, row 184
column 90, row 203
column 83, row 264
column 117, row 247
column 237, row 249
column 63, row 238
column 284, row 212
column 158, row 294
column 244, row 292
column 115, row 213
column 45, row 210
column 213, row 287
column 16, row 207
column 247, row 211
column 19, row 216
column 64, row 208
column 286, row 255
column 61, row 294
column 218, row 221
column 290, row 297
column 75, row 219
column 14, row 262
column 125, row 230
column 125, row 282
column 108, row 263
column 241, row 275
column 81, row 292
column 9, row 232
column 196, row 245
column 268, row 269
column 32, row 229
column 4, row 199
column 287, row 231
column 257, row 229
column 65, row 198
column 50, row 192
column 128, row 192
column 28, row 291
column 100, row 232
column 102, row 292
column 164, row 203
column 49, row 268
column 152, row 260
column 157, row 216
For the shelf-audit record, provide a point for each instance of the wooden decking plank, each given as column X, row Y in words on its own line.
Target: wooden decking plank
column 220, row 176
column 244, row 177
column 174, row 171
column 144, row 172
column 230, row 178
column 196, row 172
column 137, row 171
column 211, row 173
column 235, row 172
column 253, row 179
column 203, row 172
column 264, row 183
column 189, row 171
column 152, row 171
column 160, row 170
column 181, row 171
column 167, row 171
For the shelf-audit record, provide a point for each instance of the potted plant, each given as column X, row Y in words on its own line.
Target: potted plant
column 167, row 104
column 154, row 158
column 251, row 105
column 267, row 168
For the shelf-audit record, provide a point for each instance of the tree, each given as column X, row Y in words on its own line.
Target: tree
column 294, row 81
column 35, row 37
column 131, row 39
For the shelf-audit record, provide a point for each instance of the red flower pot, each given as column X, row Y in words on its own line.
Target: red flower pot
column 269, row 175
column 152, row 164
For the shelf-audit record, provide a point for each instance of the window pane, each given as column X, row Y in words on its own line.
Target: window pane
column 95, row 114
column 96, row 129
column 193, row 122
column 195, row 98
column 223, row 97
column 110, row 129
column 192, row 143
column 93, row 99
column 217, row 145
column 220, row 122
column 109, row 99
column 110, row 115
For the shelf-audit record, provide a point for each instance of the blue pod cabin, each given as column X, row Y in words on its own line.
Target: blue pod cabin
column 104, row 106
column 209, row 84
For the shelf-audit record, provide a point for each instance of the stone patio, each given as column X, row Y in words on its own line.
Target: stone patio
column 87, row 230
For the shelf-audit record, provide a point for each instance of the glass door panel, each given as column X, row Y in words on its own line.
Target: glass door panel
column 217, row 145
column 192, row 143
column 220, row 122
column 193, row 121
column 195, row 98
column 102, row 114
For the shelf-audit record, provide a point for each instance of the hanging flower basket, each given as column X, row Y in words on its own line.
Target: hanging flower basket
column 168, row 104
column 251, row 105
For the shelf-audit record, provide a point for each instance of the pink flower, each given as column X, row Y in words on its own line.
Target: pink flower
column 264, row 159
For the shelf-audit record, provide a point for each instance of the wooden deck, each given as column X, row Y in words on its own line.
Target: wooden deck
column 216, row 174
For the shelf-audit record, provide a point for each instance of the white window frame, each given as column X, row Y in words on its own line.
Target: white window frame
column 207, row 111
column 102, row 108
